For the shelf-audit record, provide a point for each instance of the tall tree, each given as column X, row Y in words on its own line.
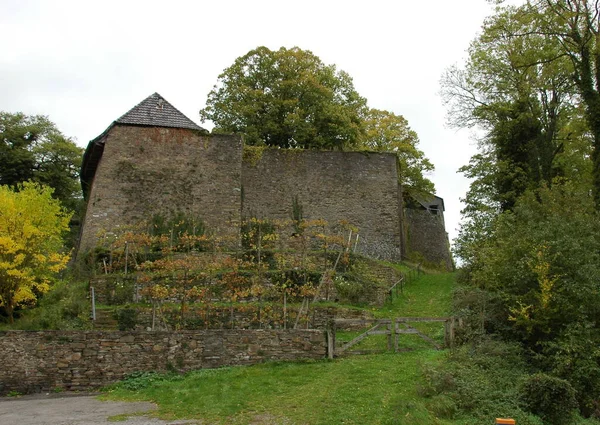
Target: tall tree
column 32, row 148
column 388, row 132
column 31, row 228
column 286, row 98
column 520, row 92
column 573, row 28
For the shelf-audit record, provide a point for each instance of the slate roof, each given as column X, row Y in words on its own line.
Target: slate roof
column 155, row 111
column 428, row 201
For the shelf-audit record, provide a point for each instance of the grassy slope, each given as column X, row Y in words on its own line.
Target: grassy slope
column 375, row 389
column 358, row 390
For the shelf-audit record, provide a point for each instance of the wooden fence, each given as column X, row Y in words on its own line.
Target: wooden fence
column 393, row 328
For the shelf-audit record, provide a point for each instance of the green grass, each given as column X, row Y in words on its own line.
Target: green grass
column 374, row 389
column 429, row 295
column 371, row 389
column 386, row 389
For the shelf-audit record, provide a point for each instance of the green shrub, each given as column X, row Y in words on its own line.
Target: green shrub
column 137, row 381
column 442, row 406
column 570, row 357
column 65, row 306
column 478, row 381
column 552, row 399
column 119, row 289
column 126, row 318
column 349, row 290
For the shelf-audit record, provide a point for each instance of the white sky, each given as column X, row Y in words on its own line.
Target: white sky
column 85, row 63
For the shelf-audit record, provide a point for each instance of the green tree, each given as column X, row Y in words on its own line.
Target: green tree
column 520, row 92
column 530, row 234
column 575, row 26
column 286, row 98
column 31, row 227
column 522, row 96
column 388, row 132
column 32, row 148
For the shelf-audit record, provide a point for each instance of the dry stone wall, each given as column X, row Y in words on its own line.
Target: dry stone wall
column 361, row 188
column 152, row 170
column 81, row 360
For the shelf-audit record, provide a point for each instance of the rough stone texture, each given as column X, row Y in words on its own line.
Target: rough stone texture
column 152, row 170
column 132, row 172
column 426, row 236
column 81, row 360
column 361, row 188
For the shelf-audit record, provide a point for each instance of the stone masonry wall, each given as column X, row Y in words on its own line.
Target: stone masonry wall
column 81, row 360
column 427, row 237
column 359, row 187
column 150, row 170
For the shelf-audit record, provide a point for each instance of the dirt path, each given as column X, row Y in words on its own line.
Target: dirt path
column 69, row 409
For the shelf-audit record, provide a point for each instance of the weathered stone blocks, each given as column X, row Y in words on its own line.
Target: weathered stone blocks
column 77, row 360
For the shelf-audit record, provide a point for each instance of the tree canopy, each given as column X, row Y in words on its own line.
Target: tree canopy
column 286, row 98
column 388, row 132
column 31, row 227
column 33, row 149
column 289, row 98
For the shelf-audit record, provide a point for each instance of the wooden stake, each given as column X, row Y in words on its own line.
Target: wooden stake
column 396, row 335
column 126, row 256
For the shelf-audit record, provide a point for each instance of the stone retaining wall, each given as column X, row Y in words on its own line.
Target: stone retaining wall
column 34, row 361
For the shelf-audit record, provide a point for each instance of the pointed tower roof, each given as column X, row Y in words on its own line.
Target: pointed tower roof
column 155, row 111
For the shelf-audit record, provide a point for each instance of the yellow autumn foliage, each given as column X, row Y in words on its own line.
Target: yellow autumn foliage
column 31, row 228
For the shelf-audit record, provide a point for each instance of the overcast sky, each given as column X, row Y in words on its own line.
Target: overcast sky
column 85, row 63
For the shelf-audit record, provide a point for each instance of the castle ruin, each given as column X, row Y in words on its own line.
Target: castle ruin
column 154, row 160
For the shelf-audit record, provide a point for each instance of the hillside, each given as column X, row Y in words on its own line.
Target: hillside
column 374, row 389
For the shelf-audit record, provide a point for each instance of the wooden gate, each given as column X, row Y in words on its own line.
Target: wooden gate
column 393, row 328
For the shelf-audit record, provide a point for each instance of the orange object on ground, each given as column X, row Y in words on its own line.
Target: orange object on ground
column 500, row 421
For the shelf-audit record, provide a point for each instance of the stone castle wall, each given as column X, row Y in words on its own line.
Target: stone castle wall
column 361, row 188
column 82, row 360
column 152, row 170
column 426, row 238
column 155, row 170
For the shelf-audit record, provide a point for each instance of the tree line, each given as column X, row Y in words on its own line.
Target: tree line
column 529, row 241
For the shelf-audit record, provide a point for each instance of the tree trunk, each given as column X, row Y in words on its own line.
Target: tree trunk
column 9, row 310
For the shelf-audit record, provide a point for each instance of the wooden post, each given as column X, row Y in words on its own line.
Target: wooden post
column 389, row 337
column 93, row 295
column 396, row 335
column 126, row 256
column 331, row 339
column 451, row 333
column 447, row 333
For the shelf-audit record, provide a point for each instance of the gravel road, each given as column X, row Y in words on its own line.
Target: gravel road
column 73, row 409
